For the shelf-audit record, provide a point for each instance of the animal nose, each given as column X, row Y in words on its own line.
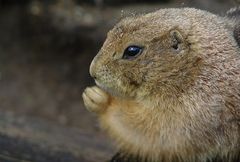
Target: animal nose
column 92, row 70
column 94, row 77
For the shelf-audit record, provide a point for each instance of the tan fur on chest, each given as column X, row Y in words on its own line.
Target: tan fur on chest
column 153, row 132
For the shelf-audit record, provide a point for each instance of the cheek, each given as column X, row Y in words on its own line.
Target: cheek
column 131, row 79
column 128, row 81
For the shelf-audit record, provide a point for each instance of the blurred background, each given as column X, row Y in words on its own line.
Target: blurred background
column 46, row 47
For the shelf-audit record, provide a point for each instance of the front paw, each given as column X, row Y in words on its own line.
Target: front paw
column 95, row 99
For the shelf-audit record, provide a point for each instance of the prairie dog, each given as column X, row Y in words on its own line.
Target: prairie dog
column 168, row 87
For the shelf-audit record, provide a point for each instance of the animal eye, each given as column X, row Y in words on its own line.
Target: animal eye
column 131, row 52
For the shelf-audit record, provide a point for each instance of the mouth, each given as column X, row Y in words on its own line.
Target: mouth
column 106, row 88
column 99, row 84
column 102, row 86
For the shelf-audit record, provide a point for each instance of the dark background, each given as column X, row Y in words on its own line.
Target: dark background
column 46, row 48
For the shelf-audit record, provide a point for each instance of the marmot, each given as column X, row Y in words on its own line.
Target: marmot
column 168, row 87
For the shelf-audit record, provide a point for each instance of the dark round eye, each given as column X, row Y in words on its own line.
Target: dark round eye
column 132, row 52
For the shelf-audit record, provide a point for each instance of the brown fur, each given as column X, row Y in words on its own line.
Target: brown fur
column 166, row 104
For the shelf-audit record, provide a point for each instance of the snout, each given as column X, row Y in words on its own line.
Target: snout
column 92, row 69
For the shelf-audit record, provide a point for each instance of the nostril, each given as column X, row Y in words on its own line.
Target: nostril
column 94, row 77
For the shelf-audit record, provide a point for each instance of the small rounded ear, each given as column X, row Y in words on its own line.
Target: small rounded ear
column 176, row 39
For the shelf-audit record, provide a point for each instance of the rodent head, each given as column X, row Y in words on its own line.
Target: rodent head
column 149, row 53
